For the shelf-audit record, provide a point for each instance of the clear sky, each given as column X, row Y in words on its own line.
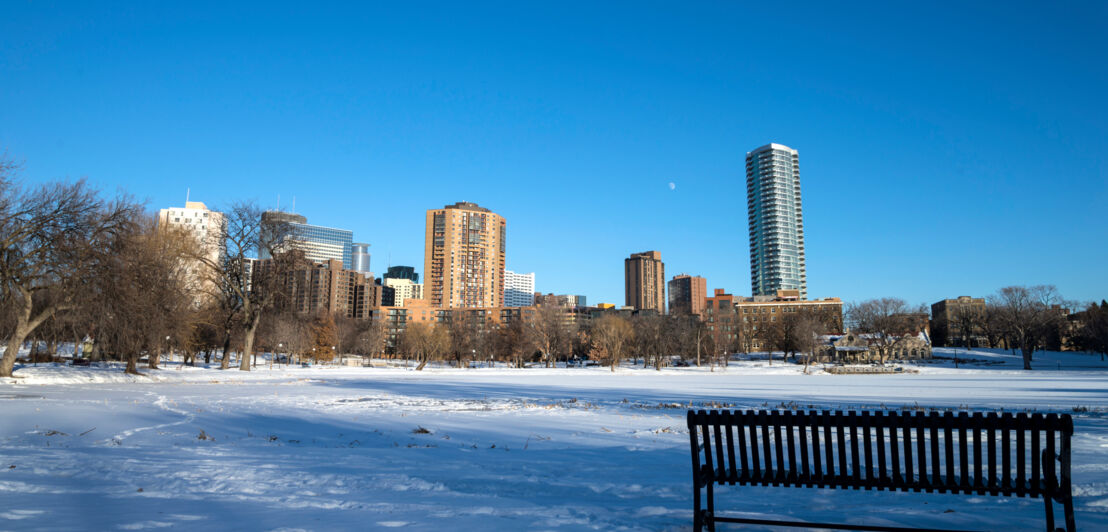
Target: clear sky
column 946, row 148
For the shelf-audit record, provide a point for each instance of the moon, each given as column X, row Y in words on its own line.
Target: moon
column 672, row 185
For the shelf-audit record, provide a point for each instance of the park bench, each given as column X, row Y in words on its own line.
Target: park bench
column 1000, row 455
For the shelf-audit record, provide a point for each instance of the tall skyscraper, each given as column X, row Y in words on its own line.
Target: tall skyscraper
column 519, row 289
column 463, row 257
column 318, row 243
column 359, row 257
column 776, row 221
column 644, row 281
column 207, row 227
column 687, row 294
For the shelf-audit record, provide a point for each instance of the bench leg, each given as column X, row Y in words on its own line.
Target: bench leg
column 711, row 513
column 1049, row 514
column 1067, row 506
column 697, row 517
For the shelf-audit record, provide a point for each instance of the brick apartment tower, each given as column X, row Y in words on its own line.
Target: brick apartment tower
column 463, row 257
column 687, row 294
column 645, row 281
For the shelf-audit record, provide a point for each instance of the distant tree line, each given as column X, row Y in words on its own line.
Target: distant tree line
column 101, row 275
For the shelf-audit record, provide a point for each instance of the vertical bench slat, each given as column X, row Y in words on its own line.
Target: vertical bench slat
column 790, row 444
column 706, row 432
column 1050, row 469
column 936, row 469
column 779, row 469
column 909, row 464
column 990, row 428
column 963, row 453
column 843, row 473
column 978, row 445
column 728, row 428
column 920, row 422
column 767, row 455
column 867, row 433
column 880, row 422
column 802, row 437
column 1021, row 454
column 744, row 460
column 714, row 418
column 950, row 481
column 816, row 421
column 1036, row 451
column 894, row 446
column 829, row 448
column 855, row 461
column 1006, row 453
column 755, row 459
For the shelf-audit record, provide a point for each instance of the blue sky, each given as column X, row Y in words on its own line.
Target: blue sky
column 945, row 149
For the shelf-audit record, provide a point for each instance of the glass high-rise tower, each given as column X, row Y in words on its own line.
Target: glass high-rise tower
column 776, row 221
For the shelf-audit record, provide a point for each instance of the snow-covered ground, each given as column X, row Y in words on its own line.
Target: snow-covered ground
column 481, row 449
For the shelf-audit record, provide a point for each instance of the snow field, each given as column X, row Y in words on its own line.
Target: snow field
column 485, row 449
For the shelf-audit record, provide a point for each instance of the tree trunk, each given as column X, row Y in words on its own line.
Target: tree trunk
column 698, row 348
column 132, row 365
column 248, row 342
column 24, row 326
column 152, row 359
column 225, row 361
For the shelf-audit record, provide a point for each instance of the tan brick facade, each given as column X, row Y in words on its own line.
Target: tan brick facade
column 464, row 257
column 645, row 281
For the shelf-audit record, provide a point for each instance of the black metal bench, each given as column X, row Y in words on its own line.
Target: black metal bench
column 1002, row 455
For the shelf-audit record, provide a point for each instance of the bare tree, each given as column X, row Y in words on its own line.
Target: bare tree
column 883, row 320
column 994, row 328
column 513, row 343
column 966, row 323
column 1093, row 332
column 250, row 287
column 806, row 331
column 324, row 337
column 424, row 342
column 50, row 237
column 611, row 334
column 1028, row 314
column 363, row 337
column 550, row 333
column 140, row 293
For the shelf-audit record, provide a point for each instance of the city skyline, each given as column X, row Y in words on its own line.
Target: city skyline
column 926, row 176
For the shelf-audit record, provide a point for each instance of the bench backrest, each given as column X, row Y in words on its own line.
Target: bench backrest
column 985, row 454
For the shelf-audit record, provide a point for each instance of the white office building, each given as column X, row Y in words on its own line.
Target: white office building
column 404, row 289
column 519, row 289
column 207, row 227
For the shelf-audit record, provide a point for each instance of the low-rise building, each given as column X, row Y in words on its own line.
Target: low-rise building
column 687, row 294
column 560, row 300
column 959, row 322
column 741, row 324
